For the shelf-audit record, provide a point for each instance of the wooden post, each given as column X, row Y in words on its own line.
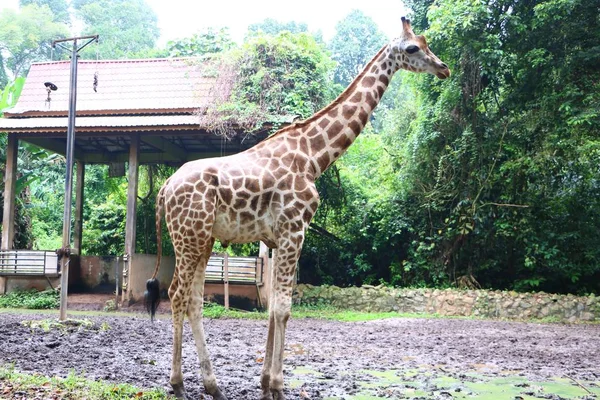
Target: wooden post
column 226, row 280
column 263, row 254
column 10, row 183
column 130, row 220
column 263, row 276
column 78, row 228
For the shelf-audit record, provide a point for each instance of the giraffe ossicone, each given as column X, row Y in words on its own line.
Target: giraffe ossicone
column 266, row 193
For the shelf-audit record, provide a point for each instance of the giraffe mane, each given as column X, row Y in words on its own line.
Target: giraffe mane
column 342, row 97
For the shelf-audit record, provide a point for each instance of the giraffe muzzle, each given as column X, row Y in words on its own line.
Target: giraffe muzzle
column 443, row 73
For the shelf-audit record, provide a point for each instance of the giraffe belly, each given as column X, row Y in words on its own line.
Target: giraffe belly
column 230, row 227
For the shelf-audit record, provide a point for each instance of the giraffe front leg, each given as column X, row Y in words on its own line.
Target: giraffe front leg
column 282, row 311
column 282, row 283
column 265, row 376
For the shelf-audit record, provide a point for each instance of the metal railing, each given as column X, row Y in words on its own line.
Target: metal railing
column 29, row 263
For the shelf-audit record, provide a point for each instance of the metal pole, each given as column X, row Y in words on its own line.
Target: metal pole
column 65, row 252
column 66, row 243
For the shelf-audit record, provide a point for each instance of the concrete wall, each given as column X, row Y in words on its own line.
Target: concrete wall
column 98, row 274
column 452, row 302
column 8, row 284
column 241, row 296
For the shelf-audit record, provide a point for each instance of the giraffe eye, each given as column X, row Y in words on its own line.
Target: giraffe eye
column 412, row 49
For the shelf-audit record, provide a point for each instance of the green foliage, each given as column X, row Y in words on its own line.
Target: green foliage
column 356, row 41
column 23, row 235
column 60, row 8
column 73, row 386
column 26, row 36
column 10, row 94
column 499, row 165
column 127, row 28
column 31, row 299
column 104, row 233
column 273, row 27
column 209, row 42
column 319, row 311
column 284, row 74
column 268, row 80
column 356, row 229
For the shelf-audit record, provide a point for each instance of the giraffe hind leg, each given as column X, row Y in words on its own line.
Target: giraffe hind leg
column 179, row 293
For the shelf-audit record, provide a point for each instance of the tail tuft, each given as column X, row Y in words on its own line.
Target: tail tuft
column 152, row 296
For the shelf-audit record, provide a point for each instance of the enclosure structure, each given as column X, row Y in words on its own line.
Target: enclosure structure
column 129, row 112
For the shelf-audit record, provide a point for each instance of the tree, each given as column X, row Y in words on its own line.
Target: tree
column 127, row 28
column 23, row 235
column 206, row 43
column 60, row 8
column 498, row 166
column 356, row 41
column 26, row 36
column 268, row 78
column 273, row 27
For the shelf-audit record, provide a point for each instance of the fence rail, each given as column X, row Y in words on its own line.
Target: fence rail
column 234, row 269
column 28, row 263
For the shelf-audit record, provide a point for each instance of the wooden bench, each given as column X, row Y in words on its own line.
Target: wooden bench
column 234, row 269
column 238, row 270
column 29, row 263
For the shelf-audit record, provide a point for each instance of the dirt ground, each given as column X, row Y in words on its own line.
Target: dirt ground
column 393, row 358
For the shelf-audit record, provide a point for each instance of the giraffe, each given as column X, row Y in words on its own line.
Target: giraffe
column 266, row 193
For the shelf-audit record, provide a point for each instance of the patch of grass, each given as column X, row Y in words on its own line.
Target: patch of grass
column 434, row 385
column 212, row 310
column 15, row 384
column 216, row 311
column 328, row 312
column 69, row 325
column 32, row 299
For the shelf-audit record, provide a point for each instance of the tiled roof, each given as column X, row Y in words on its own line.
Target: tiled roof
column 124, row 87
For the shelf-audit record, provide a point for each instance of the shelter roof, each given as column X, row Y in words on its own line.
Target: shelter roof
column 166, row 85
column 157, row 99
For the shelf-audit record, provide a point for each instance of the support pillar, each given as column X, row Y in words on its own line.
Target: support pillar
column 78, row 228
column 10, row 183
column 264, row 287
column 226, row 280
column 130, row 220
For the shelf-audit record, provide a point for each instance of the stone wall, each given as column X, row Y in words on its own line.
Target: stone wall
column 454, row 302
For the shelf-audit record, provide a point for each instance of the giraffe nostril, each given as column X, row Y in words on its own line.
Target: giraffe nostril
column 444, row 66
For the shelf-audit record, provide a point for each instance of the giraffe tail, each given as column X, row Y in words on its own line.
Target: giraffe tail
column 152, row 294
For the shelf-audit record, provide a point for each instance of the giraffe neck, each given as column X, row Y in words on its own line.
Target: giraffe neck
column 333, row 129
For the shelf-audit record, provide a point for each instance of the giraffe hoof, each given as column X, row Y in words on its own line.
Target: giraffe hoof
column 278, row 395
column 179, row 391
column 218, row 395
column 266, row 395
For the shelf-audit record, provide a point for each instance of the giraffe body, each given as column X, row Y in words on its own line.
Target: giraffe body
column 267, row 193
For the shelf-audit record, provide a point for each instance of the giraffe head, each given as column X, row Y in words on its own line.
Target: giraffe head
column 412, row 53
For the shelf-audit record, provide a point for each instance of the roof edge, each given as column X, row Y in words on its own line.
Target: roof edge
column 121, row 61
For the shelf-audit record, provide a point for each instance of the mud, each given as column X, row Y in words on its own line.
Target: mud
column 394, row 358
